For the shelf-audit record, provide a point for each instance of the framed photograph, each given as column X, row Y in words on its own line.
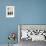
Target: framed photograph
column 32, row 32
column 10, row 10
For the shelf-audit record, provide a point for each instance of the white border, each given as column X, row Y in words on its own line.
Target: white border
column 18, row 33
column 13, row 11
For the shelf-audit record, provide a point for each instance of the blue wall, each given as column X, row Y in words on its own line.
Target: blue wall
column 31, row 11
column 27, row 12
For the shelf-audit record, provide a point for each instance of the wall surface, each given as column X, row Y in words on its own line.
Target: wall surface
column 27, row 12
column 31, row 11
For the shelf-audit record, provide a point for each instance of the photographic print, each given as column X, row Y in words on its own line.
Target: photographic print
column 10, row 11
column 28, row 33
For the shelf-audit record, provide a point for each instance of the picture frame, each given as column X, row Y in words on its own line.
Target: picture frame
column 10, row 11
